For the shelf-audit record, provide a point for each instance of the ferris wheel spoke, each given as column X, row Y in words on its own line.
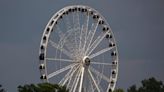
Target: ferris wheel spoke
column 81, row 80
column 67, row 21
column 93, row 31
column 94, row 81
column 92, row 87
column 71, row 42
column 96, row 43
column 99, row 74
column 86, row 23
column 60, row 71
column 76, row 22
column 100, row 52
column 100, row 63
column 61, row 34
column 76, row 79
column 64, row 60
column 63, row 37
column 60, row 48
column 91, row 34
column 76, row 25
column 81, row 35
column 70, row 45
column 67, row 77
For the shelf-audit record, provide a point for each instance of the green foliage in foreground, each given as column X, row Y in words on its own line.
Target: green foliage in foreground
column 42, row 87
column 148, row 85
column 1, row 89
column 118, row 90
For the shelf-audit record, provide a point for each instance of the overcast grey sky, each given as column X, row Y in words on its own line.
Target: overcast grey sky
column 138, row 26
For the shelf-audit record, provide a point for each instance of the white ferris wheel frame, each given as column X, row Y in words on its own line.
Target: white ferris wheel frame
column 45, row 39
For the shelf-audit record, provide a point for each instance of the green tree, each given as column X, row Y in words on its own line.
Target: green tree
column 1, row 89
column 148, row 85
column 132, row 89
column 42, row 87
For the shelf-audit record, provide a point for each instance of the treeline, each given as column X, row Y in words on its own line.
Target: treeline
column 148, row 85
column 41, row 87
column 1, row 89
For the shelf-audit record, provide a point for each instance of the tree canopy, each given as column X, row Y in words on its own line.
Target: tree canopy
column 118, row 90
column 1, row 89
column 148, row 85
column 42, row 87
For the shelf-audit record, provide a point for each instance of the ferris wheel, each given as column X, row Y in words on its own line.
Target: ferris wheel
column 78, row 50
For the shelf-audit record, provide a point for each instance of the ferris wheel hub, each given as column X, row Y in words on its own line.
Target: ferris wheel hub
column 86, row 61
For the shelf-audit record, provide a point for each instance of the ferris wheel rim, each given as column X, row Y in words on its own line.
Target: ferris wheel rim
column 48, row 27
